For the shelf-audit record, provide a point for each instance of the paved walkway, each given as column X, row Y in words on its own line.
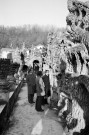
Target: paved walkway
column 27, row 121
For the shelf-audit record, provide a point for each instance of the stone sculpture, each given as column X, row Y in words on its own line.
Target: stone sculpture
column 76, row 88
column 72, row 46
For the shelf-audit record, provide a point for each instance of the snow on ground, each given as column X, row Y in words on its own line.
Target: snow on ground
column 27, row 121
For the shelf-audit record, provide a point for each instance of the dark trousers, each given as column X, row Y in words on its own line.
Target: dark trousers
column 30, row 98
column 39, row 103
column 44, row 100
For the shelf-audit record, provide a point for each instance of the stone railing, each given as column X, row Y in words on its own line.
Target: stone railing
column 6, row 112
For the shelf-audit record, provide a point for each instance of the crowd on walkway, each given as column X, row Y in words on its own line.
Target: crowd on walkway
column 67, row 101
column 39, row 84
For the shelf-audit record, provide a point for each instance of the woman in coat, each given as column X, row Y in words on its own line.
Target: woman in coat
column 40, row 91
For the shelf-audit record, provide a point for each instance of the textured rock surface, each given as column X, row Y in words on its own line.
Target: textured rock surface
column 73, row 42
column 73, row 49
column 76, row 88
column 78, row 20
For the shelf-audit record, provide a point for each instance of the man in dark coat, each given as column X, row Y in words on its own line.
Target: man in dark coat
column 40, row 92
column 31, row 83
column 47, row 85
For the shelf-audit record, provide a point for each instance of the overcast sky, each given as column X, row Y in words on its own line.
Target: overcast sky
column 41, row 12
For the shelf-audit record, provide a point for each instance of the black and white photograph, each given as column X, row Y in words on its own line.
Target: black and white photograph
column 44, row 67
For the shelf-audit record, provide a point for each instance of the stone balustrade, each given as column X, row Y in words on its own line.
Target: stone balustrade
column 8, row 108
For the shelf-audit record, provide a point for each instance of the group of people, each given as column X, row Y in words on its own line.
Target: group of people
column 39, row 84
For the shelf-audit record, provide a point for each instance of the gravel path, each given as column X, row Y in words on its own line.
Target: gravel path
column 27, row 121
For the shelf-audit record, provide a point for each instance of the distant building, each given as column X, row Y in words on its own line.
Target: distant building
column 9, row 53
column 5, row 51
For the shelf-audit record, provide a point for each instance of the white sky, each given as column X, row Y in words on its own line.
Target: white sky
column 41, row 12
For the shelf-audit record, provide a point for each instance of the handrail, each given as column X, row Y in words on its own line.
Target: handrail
column 6, row 112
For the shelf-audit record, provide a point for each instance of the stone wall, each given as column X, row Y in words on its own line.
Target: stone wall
column 6, row 112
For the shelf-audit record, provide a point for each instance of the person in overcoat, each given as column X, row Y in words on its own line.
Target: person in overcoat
column 31, row 84
column 40, row 92
column 47, row 86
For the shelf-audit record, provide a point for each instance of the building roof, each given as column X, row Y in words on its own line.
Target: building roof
column 7, row 49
